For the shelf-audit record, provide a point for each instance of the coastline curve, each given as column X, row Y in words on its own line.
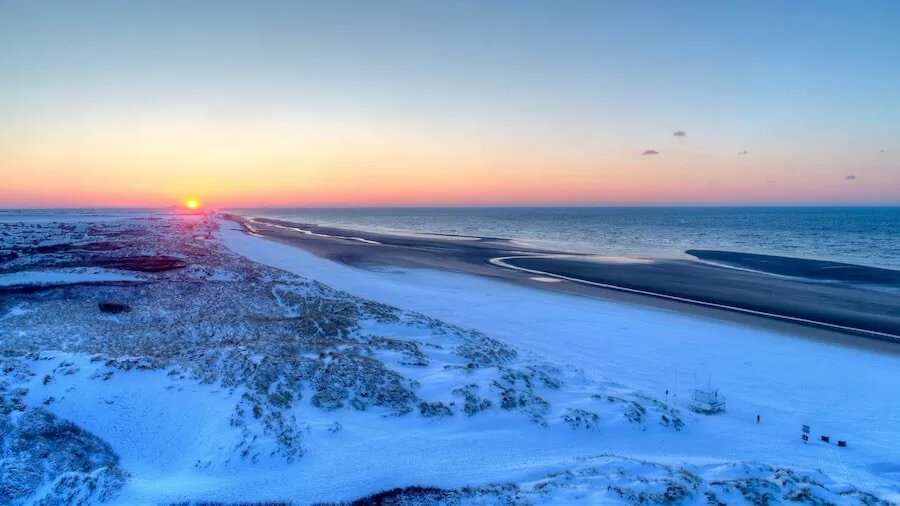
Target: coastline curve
column 502, row 262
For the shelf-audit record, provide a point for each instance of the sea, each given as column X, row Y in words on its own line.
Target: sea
column 858, row 235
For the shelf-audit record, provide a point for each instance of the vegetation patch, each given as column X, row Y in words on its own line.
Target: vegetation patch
column 43, row 453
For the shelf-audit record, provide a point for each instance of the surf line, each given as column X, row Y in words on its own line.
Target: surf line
column 502, row 262
column 315, row 234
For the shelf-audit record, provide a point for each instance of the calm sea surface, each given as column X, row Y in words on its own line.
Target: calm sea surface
column 867, row 236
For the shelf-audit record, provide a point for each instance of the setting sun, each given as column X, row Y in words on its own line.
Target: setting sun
column 192, row 204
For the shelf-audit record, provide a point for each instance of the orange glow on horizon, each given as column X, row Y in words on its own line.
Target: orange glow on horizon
column 273, row 166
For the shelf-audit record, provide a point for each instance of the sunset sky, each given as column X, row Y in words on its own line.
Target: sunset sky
column 129, row 103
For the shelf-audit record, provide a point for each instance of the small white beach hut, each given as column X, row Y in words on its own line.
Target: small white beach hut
column 708, row 401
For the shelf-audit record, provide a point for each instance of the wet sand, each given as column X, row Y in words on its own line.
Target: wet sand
column 822, row 301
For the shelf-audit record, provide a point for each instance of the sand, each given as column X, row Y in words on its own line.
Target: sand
column 819, row 308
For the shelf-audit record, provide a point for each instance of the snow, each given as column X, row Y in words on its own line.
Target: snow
column 844, row 392
column 68, row 276
column 544, row 279
column 17, row 311
column 178, row 432
column 72, row 215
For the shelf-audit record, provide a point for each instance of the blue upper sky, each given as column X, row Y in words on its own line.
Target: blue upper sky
column 798, row 83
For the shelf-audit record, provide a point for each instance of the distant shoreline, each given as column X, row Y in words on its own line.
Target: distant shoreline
column 748, row 297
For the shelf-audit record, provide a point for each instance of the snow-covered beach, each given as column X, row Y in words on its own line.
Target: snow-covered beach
column 847, row 298
column 259, row 371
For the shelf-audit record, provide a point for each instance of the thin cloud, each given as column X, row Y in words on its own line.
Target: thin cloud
column 650, row 152
column 743, row 153
column 886, row 151
column 680, row 133
column 851, row 177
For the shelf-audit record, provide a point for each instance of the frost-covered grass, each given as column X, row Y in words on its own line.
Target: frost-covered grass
column 46, row 458
column 298, row 380
column 228, row 377
column 618, row 480
column 839, row 390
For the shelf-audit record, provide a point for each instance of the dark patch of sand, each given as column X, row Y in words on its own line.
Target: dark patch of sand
column 801, row 267
column 834, row 303
column 138, row 263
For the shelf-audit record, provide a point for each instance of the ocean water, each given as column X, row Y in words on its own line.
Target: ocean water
column 860, row 235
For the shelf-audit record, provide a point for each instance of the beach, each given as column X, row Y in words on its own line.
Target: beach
column 258, row 361
column 831, row 301
column 788, row 374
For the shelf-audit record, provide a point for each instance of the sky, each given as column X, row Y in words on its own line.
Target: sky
column 330, row 103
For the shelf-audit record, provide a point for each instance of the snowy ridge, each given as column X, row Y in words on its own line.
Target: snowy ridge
column 225, row 380
column 610, row 479
column 64, row 276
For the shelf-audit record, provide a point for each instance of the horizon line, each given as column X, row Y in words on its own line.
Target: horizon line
column 466, row 206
